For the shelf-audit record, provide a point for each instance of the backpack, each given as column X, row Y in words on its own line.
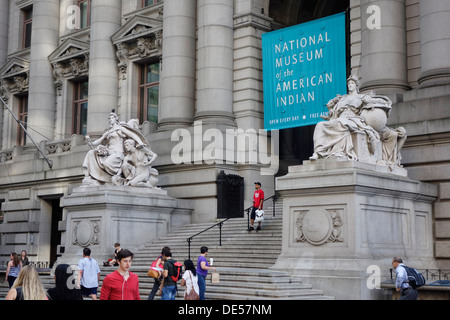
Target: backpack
column 259, row 216
column 177, row 270
column 416, row 279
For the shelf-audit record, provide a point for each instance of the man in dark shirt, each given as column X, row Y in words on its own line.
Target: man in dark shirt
column 168, row 286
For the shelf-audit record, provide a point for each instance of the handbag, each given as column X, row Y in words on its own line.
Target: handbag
column 215, row 277
column 154, row 269
column 259, row 215
column 192, row 295
column 153, row 273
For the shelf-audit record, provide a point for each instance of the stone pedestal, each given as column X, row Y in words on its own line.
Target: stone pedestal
column 98, row 217
column 344, row 221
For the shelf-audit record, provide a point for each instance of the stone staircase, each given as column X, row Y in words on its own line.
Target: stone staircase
column 243, row 261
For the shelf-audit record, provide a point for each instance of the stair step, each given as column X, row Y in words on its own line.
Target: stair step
column 243, row 261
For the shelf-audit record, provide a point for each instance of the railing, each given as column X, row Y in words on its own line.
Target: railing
column 430, row 274
column 220, row 235
column 36, row 264
column 220, row 224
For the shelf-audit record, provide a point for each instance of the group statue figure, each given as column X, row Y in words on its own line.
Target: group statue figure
column 358, row 113
column 120, row 157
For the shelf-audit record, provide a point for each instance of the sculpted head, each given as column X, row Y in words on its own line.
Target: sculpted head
column 129, row 144
column 353, row 83
column 113, row 117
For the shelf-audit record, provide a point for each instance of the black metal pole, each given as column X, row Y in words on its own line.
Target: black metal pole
column 248, row 218
column 273, row 206
column 189, row 248
column 220, row 234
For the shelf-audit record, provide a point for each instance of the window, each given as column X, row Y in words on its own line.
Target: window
column 149, row 93
column 80, row 108
column 146, row 3
column 85, row 13
column 23, row 118
column 27, row 22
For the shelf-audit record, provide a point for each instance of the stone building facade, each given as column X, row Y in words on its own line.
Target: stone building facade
column 183, row 67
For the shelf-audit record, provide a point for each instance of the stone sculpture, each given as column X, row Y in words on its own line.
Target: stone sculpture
column 121, row 156
column 358, row 119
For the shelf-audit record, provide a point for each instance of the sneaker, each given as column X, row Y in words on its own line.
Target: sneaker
column 250, row 228
column 258, row 228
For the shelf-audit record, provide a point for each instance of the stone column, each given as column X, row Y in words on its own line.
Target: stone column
column 215, row 62
column 383, row 51
column 4, row 18
column 103, row 71
column 41, row 93
column 434, row 42
column 178, row 64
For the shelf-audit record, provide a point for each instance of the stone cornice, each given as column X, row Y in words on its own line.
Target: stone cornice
column 138, row 39
column 14, row 77
column 252, row 19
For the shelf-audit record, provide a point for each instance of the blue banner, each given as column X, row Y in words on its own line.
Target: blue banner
column 304, row 66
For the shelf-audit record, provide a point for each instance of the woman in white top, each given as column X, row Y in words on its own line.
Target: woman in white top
column 190, row 279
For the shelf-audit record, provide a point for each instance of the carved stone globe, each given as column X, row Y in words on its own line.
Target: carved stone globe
column 376, row 118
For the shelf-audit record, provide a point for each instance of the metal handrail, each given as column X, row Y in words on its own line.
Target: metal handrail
column 189, row 240
column 220, row 235
column 429, row 274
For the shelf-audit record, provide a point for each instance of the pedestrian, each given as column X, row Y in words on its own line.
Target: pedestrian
column 258, row 199
column 402, row 282
column 65, row 288
column 113, row 261
column 24, row 258
column 13, row 269
column 190, row 280
column 121, row 284
column 27, row 286
column 159, row 266
column 202, row 271
column 89, row 275
column 168, row 288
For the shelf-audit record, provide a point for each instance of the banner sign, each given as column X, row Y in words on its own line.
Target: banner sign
column 304, row 66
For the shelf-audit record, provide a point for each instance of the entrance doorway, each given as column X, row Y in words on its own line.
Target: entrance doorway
column 54, row 216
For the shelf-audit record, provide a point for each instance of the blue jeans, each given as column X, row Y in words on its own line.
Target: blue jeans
column 201, row 286
column 168, row 293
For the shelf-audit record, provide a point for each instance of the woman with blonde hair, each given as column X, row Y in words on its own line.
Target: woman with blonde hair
column 27, row 286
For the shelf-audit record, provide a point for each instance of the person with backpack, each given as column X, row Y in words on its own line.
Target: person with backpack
column 158, row 265
column 402, row 283
column 172, row 273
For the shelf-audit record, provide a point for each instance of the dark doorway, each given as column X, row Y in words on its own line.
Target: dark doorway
column 230, row 196
column 53, row 203
column 55, row 238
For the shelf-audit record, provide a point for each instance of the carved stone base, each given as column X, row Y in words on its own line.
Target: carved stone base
column 361, row 146
column 98, row 217
column 344, row 221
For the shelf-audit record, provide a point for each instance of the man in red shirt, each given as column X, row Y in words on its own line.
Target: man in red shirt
column 258, row 199
column 121, row 284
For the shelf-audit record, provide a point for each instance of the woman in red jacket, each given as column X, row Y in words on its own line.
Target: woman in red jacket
column 121, row 284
